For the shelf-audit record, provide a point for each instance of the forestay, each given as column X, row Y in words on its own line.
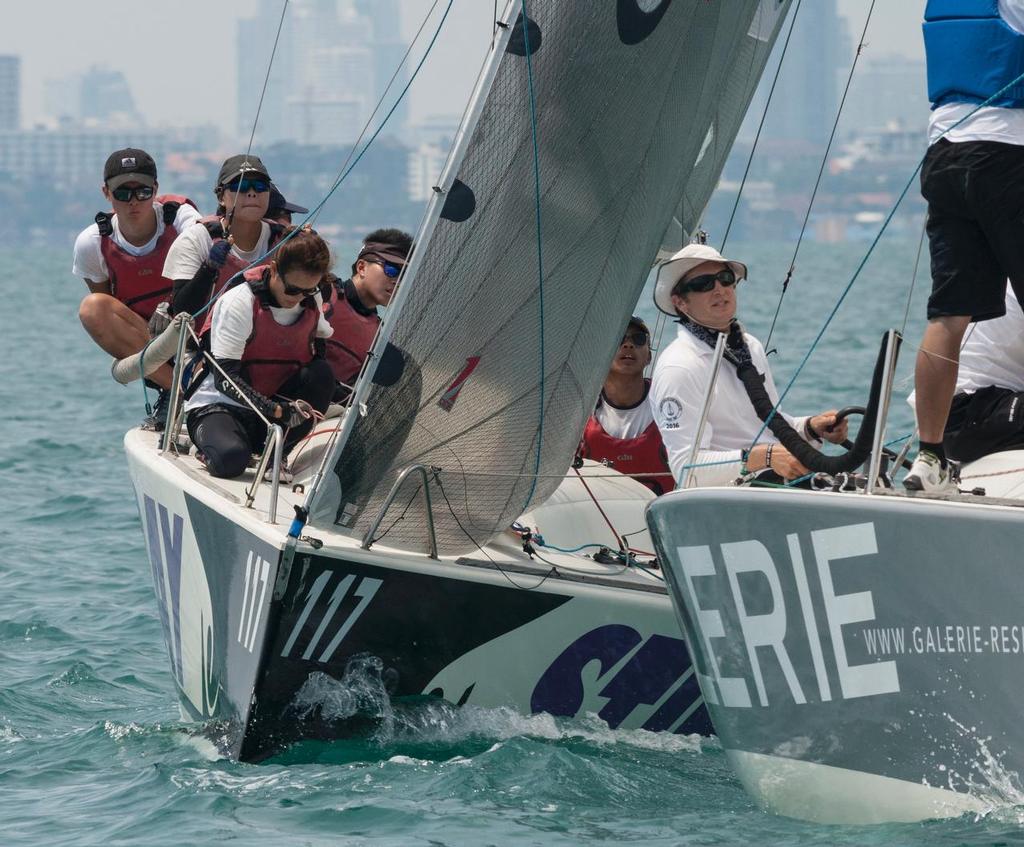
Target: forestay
column 637, row 105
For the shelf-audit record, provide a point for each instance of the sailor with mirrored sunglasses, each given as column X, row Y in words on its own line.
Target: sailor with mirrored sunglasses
column 351, row 304
column 121, row 258
column 698, row 287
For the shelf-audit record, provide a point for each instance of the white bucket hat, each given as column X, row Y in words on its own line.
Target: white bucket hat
column 680, row 265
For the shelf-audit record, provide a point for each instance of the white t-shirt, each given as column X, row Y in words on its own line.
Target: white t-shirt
column 89, row 263
column 192, row 248
column 621, row 422
column 230, row 330
column 991, row 123
column 993, row 353
column 678, row 386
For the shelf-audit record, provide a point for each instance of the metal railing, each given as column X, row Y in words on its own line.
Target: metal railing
column 892, row 349
column 275, row 434
column 425, row 473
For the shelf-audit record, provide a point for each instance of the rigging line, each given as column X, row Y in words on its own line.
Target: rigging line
column 383, row 96
column 913, row 279
column 540, row 253
column 760, row 126
column 344, row 176
column 821, row 171
column 480, row 547
column 871, row 249
column 607, row 520
column 266, row 79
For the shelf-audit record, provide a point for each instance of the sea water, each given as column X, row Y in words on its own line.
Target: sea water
column 91, row 747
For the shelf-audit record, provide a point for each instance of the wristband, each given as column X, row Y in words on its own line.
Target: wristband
column 768, row 457
column 811, row 431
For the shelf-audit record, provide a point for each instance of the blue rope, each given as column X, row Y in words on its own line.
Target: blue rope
column 540, row 253
column 337, row 184
column 871, row 249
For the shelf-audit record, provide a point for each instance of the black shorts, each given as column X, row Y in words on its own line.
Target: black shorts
column 975, row 194
column 987, row 421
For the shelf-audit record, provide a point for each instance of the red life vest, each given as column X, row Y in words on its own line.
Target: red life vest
column 274, row 352
column 138, row 281
column 232, row 264
column 640, row 455
column 352, row 338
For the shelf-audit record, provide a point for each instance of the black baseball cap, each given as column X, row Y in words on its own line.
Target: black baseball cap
column 235, row 166
column 129, row 165
column 279, row 204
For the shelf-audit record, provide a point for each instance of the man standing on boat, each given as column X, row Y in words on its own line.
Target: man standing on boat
column 351, row 305
column 622, row 430
column 121, row 259
column 973, row 180
column 698, row 287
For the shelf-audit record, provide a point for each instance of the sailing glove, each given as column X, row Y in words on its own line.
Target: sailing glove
column 219, row 253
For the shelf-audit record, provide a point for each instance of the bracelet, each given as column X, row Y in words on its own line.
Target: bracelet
column 768, row 457
column 811, row 431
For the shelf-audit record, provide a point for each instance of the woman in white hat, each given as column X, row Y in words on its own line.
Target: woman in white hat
column 698, row 287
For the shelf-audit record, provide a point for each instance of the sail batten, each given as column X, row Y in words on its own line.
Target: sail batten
column 636, row 108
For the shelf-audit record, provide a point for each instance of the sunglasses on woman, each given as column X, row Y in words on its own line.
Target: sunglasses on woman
column 123, row 194
column 241, row 186
column 705, row 282
column 295, row 290
column 390, row 271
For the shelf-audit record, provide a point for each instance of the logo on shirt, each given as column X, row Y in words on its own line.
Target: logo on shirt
column 670, row 410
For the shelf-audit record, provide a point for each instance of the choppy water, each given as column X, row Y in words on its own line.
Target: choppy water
column 91, row 750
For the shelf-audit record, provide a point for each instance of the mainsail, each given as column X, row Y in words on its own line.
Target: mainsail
column 637, row 105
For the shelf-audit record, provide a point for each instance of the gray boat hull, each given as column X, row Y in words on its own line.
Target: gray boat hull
column 862, row 658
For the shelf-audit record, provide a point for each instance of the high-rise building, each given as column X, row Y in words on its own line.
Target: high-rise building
column 10, row 92
column 332, row 63
column 806, row 98
column 105, row 97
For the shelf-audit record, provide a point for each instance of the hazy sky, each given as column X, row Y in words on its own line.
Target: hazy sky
column 179, row 57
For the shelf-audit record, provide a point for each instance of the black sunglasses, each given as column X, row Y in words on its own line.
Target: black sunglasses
column 639, row 338
column 705, row 282
column 140, row 192
column 294, row 290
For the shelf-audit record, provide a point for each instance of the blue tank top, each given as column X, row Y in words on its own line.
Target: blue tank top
column 972, row 53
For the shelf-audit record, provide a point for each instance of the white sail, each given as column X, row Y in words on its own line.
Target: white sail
column 637, row 104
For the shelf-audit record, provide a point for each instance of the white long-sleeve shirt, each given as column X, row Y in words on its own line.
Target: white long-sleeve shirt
column 677, row 392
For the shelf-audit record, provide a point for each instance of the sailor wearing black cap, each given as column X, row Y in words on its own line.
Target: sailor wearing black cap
column 121, row 256
column 237, row 236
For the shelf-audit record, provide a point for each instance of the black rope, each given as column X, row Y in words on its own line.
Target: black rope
column 760, row 126
column 821, row 170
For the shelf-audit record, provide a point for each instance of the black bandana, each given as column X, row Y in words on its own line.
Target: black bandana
column 736, row 350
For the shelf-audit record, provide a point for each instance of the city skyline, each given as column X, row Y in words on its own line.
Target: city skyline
column 160, row 64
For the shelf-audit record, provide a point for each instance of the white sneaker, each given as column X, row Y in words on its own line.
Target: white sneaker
column 929, row 477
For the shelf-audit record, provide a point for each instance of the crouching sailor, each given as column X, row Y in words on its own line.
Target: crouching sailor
column 266, row 336
column 121, row 258
column 622, row 430
column 698, row 287
column 351, row 304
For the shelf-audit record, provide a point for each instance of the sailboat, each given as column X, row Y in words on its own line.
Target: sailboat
column 592, row 125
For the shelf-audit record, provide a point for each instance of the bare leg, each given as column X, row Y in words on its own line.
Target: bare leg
column 935, row 375
column 118, row 330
